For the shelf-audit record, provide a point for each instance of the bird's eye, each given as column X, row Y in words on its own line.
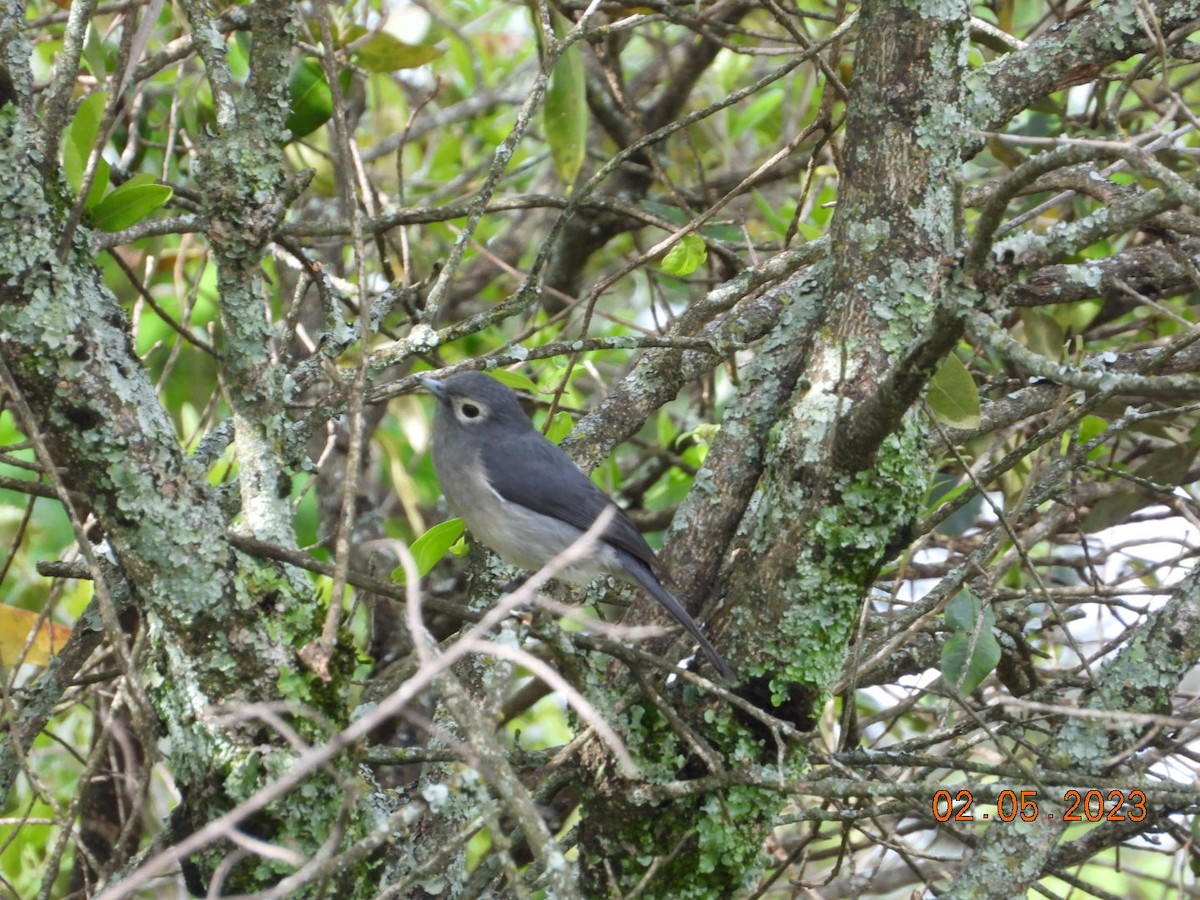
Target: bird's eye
column 470, row 410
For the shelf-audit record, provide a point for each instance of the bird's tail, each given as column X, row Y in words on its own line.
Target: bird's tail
column 654, row 588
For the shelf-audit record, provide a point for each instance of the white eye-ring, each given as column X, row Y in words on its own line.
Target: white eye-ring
column 469, row 410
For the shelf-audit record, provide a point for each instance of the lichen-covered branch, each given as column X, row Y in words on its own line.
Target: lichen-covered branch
column 1010, row 857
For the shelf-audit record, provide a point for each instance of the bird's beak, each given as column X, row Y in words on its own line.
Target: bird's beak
column 434, row 386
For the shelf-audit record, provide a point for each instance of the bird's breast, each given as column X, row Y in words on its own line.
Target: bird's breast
column 521, row 536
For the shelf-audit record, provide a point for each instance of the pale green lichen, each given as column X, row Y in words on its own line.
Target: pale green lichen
column 833, row 570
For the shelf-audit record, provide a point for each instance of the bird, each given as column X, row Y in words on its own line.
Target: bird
column 524, row 498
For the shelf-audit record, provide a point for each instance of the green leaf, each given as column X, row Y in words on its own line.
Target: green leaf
column 961, row 611
column 82, row 135
column 430, row 547
column 311, row 98
column 758, row 110
column 95, row 54
column 384, row 52
column 1090, row 427
column 945, row 490
column 1043, row 335
column 1076, row 317
column 99, row 184
column 1169, row 467
column 953, row 396
column 666, row 211
column 237, row 55
column 565, row 114
column 666, row 429
column 723, row 232
column 964, row 667
column 129, row 204
column 685, row 257
column 1114, row 509
column 560, row 427
column 515, row 380
column 779, row 224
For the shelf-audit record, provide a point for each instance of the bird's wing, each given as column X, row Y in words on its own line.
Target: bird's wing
column 531, row 471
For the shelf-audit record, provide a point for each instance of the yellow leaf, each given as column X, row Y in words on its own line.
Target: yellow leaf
column 15, row 625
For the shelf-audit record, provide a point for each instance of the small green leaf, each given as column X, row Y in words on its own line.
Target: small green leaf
column 1106, row 512
column 685, row 257
column 961, row 611
column 964, row 667
column 1195, row 828
column 129, row 204
column 82, row 135
column 723, row 232
column 758, row 110
column 565, row 114
column 1074, row 318
column 778, row 222
column 515, row 380
column 953, row 396
column 311, row 98
column 560, row 427
column 95, row 54
column 954, row 660
column 945, row 490
column 1169, row 467
column 237, row 55
column 430, row 547
column 666, row 211
column 99, row 184
column 666, row 429
column 383, row 52
column 1090, row 427
column 1043, row 335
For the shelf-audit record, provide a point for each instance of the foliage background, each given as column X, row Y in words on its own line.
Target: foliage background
column 881, row 319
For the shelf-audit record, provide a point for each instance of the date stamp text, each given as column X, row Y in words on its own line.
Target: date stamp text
column 1025, row 806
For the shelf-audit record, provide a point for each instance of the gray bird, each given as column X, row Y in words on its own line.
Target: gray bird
column 524, row 498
